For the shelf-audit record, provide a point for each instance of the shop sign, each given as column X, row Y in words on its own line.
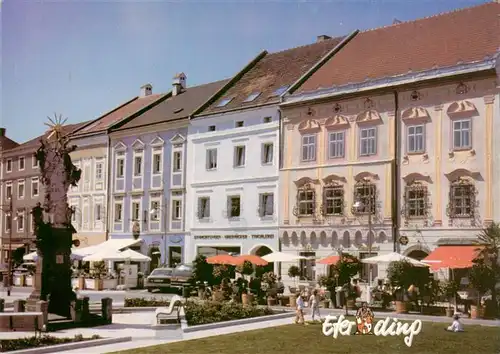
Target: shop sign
column 266, row 236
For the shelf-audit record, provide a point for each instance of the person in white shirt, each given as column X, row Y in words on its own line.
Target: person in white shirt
column 299, row 318
column 314, row 304
column 456, row 326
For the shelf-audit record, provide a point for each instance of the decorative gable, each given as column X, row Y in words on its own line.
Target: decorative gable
column 415, row 114
column 309, row 126
column 462, row 109
column 177, row 139
column 158, row 141
column 305, row 180
column 337, row 122
column 369, row 117
column 138, row 145
column 120, row 146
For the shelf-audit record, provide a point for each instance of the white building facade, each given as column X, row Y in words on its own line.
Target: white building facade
column 232, row 183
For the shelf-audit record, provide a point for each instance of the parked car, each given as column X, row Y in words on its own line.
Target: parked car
column 159, row 279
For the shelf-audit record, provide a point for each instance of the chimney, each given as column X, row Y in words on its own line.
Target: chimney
column 146, row 90
column 2, row 131
column 396, row 21
column 322, row 38
column 178, row 84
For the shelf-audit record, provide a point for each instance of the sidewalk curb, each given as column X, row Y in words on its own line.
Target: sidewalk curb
column 72, row 346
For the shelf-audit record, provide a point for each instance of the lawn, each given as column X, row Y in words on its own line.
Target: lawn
column 296, row 339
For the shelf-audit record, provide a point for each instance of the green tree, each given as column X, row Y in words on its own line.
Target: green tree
column 202, row 271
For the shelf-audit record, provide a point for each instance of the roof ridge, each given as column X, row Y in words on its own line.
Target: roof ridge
column 430, row 16
column 307, row 45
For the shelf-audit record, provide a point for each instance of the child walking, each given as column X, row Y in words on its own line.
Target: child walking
column 299, row 318
column 314, row 303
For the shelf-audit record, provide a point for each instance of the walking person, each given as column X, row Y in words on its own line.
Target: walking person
column 299, row 318
column 314, row 304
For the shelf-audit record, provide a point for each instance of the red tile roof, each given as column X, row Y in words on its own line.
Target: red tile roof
column 118, row 114
column 271, row 72
column 462, row 36
column 6, row 143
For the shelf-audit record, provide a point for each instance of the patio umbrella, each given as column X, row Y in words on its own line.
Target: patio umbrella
column 226, row 259
column 282, row 257
column 105, row 255
column 255, row 260
column 393, row 257
column 133, row 256
column 329, row 260
column 33, row 256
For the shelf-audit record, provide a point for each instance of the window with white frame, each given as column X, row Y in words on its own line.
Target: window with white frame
column 118, row 212
column 138, row 163
column 336, row 144
column 203, row 207
column 267, row 153
column 120, row 165
column 368, row 141
column 98, row 212
column 234, row 206
column 8, row 165
column 462, row 134
column 20, row 221
column 306, row 200
column 20, row 189
column 34, row 162
column 239, row 156
column 266, row 204
column 22, row 163
column 98, row 171
column 308, row 147
column 35, row 184
column 176, row 209
column 155, row 210
column 177, row 161
column 8, row 190
column 415, row 138
column 157, row 161
column 136, row 211
column 211, row 159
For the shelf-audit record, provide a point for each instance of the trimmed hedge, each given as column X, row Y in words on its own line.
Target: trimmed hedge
column 143, row 302
column 198, row 313
column 8, row 345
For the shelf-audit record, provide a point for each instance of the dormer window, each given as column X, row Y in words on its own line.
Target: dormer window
column 211, row 128
column 224, row 102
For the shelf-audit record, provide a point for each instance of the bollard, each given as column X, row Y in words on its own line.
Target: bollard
column 19, row 305
column 85, row 308
column 107, row 309
column 2, row 305
column 43, row 307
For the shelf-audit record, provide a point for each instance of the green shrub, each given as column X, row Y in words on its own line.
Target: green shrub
column 8, row 345
column 143, row 302
column 211, row 312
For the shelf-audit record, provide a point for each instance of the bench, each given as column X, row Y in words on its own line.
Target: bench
column 27, row 321
column 163, row 313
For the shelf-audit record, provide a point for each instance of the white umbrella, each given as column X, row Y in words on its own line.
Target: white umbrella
column 105, row 255
column 33, row 256
column 134, row 256
column 393, row 257
column 282, row 257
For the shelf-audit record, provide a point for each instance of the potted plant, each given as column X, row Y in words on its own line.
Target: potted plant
column 449, row 291
column 293, row 272
column 327, row 283
column 343, row 271
column 269, row 279
column 400, row 277
column 482, row 279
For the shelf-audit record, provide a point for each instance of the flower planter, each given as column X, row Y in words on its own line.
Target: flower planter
column 17, row 280
column 89, row 284
column 217, row 295
column 326, row 304
column 98, row 284
column 284, row 301
column 401, row 307
column 245, row 299
column 271, row 301
column 433, row 310
column 29, row 280
column 293, row 301
column 81, row 283
column 449, row 312
column 476, row 312
column 109, row 283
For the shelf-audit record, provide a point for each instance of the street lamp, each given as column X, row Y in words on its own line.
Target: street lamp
column 153, row 212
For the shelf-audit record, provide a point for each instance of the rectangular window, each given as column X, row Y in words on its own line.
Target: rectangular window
column 176, row 209
column 155, row 210
column 8, row 166
column 118, row 212
column 416, row 200
column 267, row 153
column 266, row 204
column 98, row 212
column 239, row 124
column 211, row 159
column 8, row 222
column 22, row 162
column 336, row 145
column 306, row 201
column 368, row 141
column 415, row 138
column 73, row 215
column 98, row 171
column 309, row 148
column 34, row 162
column 334, row 200
column 136, row 211
column 35, row 187
column 462, row 133
column 8, row 190
column 203, row 208
column 365, row 196
column 20, row 222
column 20, row 189
column 177, row 161
column 461, row 200
column 234, row 206
column 211, row 128
column 239, row 156
column 120, row 167
column 138, row 165
column 157, row 163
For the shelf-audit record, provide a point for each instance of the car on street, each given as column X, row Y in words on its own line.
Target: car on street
column 167, row 278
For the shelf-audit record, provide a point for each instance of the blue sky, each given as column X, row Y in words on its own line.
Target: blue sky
column 82, row 58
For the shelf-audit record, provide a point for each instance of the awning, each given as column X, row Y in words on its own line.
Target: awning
column 114, row 244
column 329, row 260
column 452, row 257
